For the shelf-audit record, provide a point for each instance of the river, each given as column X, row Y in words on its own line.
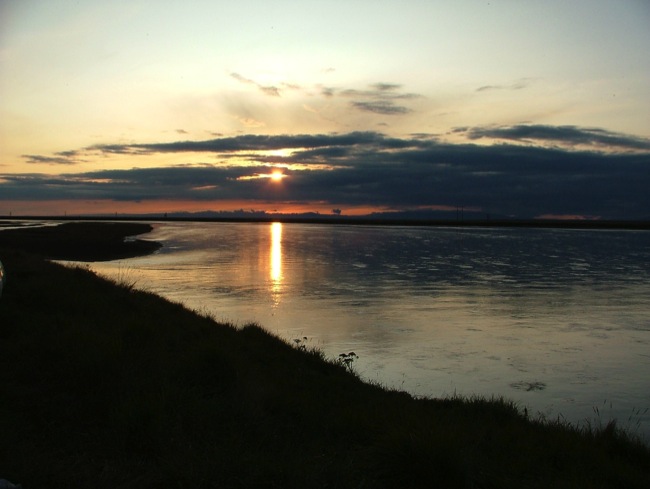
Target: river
column 556, row 319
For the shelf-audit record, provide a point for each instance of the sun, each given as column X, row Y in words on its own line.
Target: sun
column 277, row 176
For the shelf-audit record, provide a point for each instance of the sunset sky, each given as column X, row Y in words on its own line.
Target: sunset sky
column 509, row 108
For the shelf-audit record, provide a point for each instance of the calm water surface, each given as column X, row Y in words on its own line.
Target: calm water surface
column 557, row 320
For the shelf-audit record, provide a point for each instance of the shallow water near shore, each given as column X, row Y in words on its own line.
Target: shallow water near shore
column 558, row 320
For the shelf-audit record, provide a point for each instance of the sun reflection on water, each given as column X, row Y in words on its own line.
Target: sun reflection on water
column 276, row 261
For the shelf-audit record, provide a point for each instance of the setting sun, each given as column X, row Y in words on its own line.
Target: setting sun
column 277, row 176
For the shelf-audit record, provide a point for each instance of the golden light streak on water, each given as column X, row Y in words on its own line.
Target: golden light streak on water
column 276, row 261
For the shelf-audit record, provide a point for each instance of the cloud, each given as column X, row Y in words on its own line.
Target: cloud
column 250, row 122
column 266, row 89
column 386, row 87
column 379, row 98
column 291, row 86
column 384, row 91
column 270, row 90
column 242, row 79
column 60, row 158
column 327, row 91
column 385, row 107
column 570, row 135
column 523, row 83
column 50, row 160
column 372, row 169
column 248, row 142
column 312, row 105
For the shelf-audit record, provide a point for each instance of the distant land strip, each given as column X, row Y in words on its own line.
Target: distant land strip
column 80, row 241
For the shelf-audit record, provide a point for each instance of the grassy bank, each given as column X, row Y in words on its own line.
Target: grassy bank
column 104, row 386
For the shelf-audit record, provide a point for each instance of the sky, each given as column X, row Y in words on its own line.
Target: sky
column 513, row 108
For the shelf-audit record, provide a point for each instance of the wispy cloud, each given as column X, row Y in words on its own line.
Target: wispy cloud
column 61, row 158
column 518, row 85
column 266, row 89
column 384, row 107
column 380, row 98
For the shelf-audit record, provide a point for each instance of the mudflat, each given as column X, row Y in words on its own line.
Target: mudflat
column 81, row 241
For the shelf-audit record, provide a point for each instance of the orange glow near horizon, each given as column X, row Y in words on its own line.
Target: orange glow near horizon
column 54, row 208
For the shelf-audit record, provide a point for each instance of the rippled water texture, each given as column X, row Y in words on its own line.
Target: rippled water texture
column 558, row 320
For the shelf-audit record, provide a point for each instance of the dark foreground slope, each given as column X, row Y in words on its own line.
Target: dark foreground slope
column 104, row 386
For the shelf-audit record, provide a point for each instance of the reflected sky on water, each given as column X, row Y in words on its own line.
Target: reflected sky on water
column 558, row 320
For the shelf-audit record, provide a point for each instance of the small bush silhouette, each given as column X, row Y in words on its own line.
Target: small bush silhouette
column 347, row 360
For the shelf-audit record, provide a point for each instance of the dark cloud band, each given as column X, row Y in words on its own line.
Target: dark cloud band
column 564, row 134
column 367, row 168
